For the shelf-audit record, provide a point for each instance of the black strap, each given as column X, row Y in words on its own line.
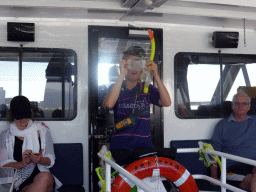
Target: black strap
column 130, row 120
column 141, row 112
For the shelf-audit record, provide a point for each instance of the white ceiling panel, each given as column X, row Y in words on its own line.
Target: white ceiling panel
column 224, row 13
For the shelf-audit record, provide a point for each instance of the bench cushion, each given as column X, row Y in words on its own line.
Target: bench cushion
column 189, row 160
column 68, row 167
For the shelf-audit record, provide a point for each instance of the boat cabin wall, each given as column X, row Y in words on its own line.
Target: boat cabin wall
column 73, row 34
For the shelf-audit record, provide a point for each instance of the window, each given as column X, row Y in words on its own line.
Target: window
column 205, row 83
column 47, row 77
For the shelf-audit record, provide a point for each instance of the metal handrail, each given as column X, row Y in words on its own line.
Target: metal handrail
column 109, row 163
column 223, row 156
column 146, row 187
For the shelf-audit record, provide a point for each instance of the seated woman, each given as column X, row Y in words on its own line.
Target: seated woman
column 27, row 146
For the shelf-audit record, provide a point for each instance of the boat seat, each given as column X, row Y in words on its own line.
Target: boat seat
column 192, row 163
column 68, row 167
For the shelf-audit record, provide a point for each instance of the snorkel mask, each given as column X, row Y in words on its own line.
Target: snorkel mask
column 136, row 63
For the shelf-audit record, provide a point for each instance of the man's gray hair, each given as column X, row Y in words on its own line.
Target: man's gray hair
column 240, row 92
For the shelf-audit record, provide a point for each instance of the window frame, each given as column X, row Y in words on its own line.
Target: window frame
column 52, row 51
column 95, row 33
column 238, row 58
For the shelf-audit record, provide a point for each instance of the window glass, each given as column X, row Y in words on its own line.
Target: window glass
column 48, row 80
column 34, row 80
column 9, row 80
column 206, row 83
column 251, row 68
column 239, row 81
column 201, row 91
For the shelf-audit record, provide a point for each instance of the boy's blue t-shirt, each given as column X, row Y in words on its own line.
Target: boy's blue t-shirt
column 137, row 136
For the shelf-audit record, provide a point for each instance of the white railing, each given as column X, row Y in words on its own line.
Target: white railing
column 133, row 179
column 109, row 163
column 223, row 156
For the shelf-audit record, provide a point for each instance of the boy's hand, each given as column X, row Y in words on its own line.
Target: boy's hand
column 152, row 67
column 123, row 67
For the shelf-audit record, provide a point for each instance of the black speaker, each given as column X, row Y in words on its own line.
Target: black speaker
column 225, row 39
column 20, row 31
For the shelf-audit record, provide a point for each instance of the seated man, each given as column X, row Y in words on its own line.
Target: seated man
column 236, row 135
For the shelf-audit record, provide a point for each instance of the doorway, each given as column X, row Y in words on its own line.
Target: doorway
column 106, row 45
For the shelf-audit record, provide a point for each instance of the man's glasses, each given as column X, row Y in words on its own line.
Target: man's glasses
column 243, row 104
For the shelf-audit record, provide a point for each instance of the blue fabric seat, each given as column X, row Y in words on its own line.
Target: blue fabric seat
column 68, row 167
column 192, row 163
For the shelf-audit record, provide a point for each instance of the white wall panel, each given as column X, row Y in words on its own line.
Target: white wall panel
column 69, row 35
column 192, row 39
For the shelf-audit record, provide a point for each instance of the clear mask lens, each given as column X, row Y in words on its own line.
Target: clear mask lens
column 136, row 63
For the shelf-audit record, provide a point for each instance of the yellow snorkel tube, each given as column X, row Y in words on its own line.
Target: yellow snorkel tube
column 100, row 171
column 152, row 55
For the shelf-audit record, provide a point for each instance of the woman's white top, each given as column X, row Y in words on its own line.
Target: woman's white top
column 7, row 139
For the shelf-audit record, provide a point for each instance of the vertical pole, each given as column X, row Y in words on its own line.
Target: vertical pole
column 221, row 79
column 20, row 69
column 223, row 173
column 63, row 85
column 108, row 177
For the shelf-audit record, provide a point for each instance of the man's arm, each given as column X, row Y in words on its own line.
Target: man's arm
column 214, row 172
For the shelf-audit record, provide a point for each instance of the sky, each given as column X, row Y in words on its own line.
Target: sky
column 33, row 80
column 203, row 87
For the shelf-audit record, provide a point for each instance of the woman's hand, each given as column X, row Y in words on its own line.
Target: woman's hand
column 37, row 159
column 152, row 67
column 26, row 158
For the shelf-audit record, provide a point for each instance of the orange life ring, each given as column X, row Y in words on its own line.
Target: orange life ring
column 169, row 169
